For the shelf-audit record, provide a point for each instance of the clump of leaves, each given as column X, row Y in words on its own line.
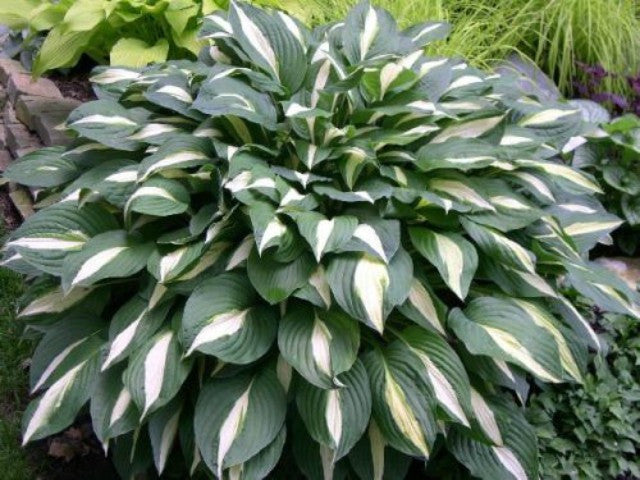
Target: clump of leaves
column 593, row 432
column 126, row 32
column 612, row 153
column 313, row 251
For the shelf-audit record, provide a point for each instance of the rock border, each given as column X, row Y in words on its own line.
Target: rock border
column 32, row 110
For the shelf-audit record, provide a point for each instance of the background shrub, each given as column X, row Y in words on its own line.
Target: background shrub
column 311, row 251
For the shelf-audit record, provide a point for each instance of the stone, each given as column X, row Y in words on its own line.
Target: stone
column 10, row 67
column 3, row 137
column 9, row 114
column 46, row 126
column 19, row 139
column 29, row 107
column 22, row 201
column 3, row 96
column 628, row 269
column 5, row 159
column 24, row 84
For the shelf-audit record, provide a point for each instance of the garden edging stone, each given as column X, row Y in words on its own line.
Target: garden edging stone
column 32, row 112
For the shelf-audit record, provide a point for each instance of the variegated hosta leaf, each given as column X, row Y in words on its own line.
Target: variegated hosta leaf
column 45, row 239
column 64, row 346
column 501, row 329
column 444, row 371
column 51, row 299
column 178, row 151
column 107, row 122
column 58, row 406
column 367, row 288
column 402, row 408
column 132, row 325
column 275, row 281
column 43, row 168
column 501, row 248
column 336, row 418
column 274, row 42
column 173, row 264
column 318, row 344
column 160, row 197
column 260, row 465
column 459, row 154
column 373, row 459
column 156, row 372
column 111, row 254
column 113, row 411
column 424, row 307
column 514, row 452
column 323, row 234
column 606, row 289
column 224, row 317
column 236, row 417
column 454, row 257
column 368, row 33
column 163, row 431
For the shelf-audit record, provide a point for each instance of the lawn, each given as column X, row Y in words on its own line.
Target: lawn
column 14, row 352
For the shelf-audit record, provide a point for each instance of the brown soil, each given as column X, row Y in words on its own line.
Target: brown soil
column 76, row 85
column 8, row 211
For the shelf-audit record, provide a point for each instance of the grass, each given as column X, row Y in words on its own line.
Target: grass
column 14, row 462
column 554, row 33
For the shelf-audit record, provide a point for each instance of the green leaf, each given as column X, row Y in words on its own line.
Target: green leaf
column 318, row 344
column 133, row 52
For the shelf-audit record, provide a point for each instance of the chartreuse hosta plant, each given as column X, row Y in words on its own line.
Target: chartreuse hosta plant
column 313, row 252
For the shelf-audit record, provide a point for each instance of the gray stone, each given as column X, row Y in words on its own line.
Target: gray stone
column 29, row 107
column 10, row 67
column 19, row 139
column 3, row 96
column 46, row 126
column 3, row 137
column 21, row 84
column 628, row 269
column 9, row 114
column 5, row 159
column 22, row 201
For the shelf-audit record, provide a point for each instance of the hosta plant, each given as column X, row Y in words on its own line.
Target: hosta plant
column 120, row 32
column 317, row 253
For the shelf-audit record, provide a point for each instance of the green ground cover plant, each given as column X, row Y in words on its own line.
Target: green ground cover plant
column 592, row 432
column 314, row 253
column 122, row 32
